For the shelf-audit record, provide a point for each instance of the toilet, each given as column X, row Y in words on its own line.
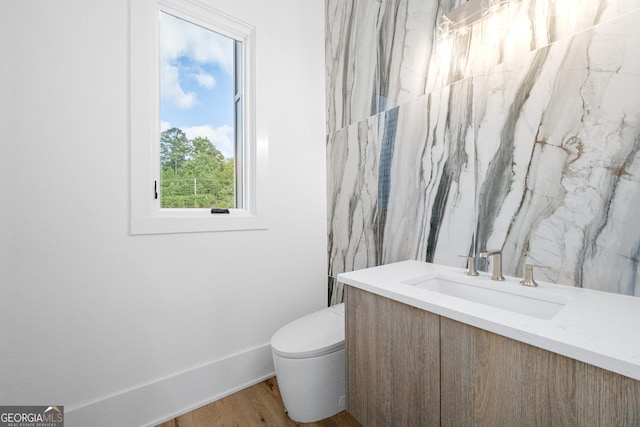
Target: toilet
column 309, row 359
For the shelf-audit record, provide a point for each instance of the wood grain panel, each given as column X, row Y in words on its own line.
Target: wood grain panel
column 605, row 398
column 456, row 381
column 393, row 360
column 501, row 382
column 489, row 380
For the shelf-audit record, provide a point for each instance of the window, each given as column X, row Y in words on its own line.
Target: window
column 198, row 96
column 193, row 138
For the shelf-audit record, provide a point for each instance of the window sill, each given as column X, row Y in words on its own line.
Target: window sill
column 196, row 220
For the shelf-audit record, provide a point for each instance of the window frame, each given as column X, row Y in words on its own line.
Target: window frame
column 147, row 217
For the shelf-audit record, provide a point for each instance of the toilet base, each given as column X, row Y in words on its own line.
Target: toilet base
column 312, row 389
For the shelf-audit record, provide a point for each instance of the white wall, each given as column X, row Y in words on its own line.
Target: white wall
column 128, row 330
column 6, row 183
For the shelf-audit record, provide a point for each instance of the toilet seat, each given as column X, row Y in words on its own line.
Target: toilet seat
column 313, row 335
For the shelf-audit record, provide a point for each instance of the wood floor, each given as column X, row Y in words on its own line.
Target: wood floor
column 259, row 405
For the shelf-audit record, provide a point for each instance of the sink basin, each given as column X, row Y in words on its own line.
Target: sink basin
column 528, row 301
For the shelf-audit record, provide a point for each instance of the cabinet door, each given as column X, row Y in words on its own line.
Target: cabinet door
column 490, row 380
column 393, row 362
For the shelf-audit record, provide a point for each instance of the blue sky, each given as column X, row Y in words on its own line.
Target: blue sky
column 196, row 82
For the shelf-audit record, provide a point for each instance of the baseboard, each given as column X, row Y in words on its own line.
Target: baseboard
column 162, row 400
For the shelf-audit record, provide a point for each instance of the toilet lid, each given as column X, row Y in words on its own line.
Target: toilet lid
column 315, row 334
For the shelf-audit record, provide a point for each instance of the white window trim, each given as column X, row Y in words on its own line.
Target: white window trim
column 146, row 215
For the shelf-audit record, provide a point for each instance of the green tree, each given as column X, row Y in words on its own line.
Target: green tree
column 175, row 148
column 194, row 173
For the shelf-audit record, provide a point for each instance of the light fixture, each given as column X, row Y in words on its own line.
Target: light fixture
column 462, row 17
column 465, row 14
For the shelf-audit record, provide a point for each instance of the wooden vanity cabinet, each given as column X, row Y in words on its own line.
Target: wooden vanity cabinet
column 490, row 380
column 409, row 367
column 393, row 362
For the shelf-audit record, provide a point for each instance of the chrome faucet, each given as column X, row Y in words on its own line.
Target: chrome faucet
column 497, row 263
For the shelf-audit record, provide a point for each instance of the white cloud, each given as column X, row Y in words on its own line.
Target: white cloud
column 164, row 126
column 221, row 137
column 206, row 80
column 170, row 88
column 179, row 38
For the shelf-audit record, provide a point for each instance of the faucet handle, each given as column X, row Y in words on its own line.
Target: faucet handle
column 490, row 252
column 528, row 279
column 471, row 265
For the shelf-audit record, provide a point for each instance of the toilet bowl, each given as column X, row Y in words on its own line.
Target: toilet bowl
column 309, row 359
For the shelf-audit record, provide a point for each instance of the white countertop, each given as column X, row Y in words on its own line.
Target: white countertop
column 599, row 328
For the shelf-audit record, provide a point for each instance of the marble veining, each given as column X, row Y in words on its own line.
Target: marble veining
column 525, row 138
column 377, row 55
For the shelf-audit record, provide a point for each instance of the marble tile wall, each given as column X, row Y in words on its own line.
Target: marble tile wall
column 520, row 133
